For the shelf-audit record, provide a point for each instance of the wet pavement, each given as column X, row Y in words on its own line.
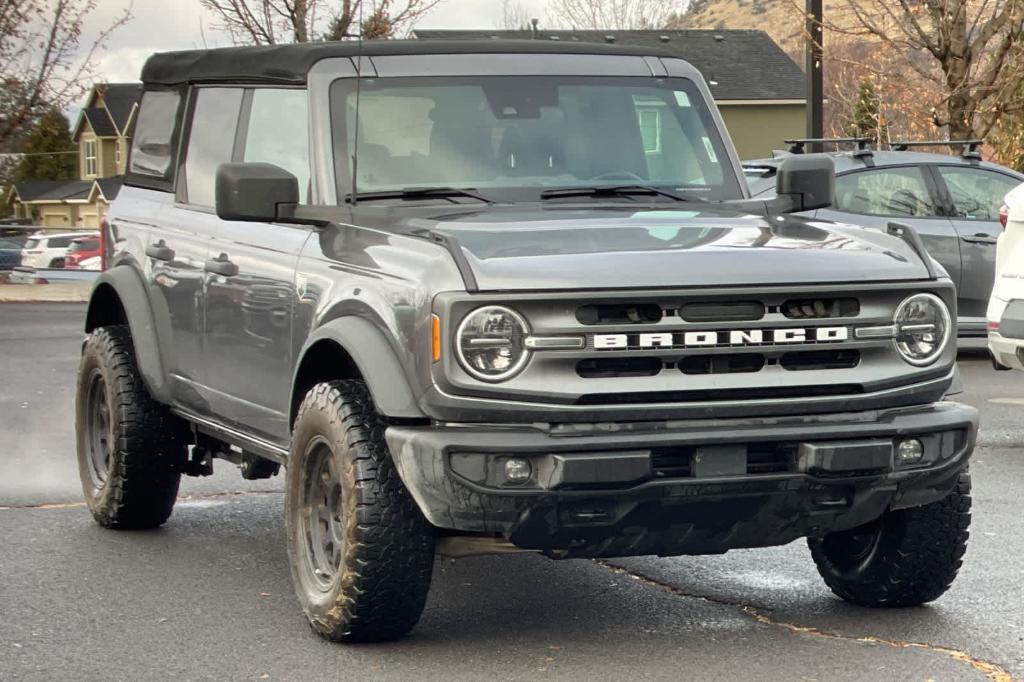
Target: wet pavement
column 208, row 596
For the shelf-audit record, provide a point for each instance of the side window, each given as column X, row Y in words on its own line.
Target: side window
column 58, row 242
column 977, row 194
column 153, row 145
column 900, row 192
column 279, row 132
column 211, row 141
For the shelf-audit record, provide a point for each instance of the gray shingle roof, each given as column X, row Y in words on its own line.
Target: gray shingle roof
column 110, row 186
column 100, row 122
column 53, row 190
column 745, row 64
column 120, row 98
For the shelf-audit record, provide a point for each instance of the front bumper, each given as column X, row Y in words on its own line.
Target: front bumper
column 682, row 487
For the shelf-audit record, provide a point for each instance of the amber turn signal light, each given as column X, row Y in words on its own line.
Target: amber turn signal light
column 436, row 336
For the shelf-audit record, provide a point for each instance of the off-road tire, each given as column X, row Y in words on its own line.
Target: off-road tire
column 912, row 555
column 376, row 551
column 135, row 483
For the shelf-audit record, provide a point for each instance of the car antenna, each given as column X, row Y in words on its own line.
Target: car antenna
column 359, row 83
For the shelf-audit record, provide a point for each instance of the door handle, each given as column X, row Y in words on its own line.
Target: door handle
column 160, row 251
column 221, row 265
column 980, row 238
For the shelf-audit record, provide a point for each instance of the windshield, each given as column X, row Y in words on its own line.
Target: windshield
column 512, row 137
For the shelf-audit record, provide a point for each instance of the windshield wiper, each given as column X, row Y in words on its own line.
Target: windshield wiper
column 613, row 191
column 419, row 193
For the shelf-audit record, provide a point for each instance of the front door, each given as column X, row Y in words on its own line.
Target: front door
column 251, row 286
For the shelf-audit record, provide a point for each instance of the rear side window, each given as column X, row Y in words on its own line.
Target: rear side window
column 895, row 191
column 32, row 243
column 85, row 245
column 977, row 193
column 211, row 141
column 152, row 153
column 278, row 132
column 58, row 242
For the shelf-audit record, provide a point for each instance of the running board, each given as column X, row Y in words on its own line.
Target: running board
column 232, row 436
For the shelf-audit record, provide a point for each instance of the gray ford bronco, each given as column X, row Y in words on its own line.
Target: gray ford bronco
column 496, row 296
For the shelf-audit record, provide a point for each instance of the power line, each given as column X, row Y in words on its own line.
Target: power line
column 19, row 155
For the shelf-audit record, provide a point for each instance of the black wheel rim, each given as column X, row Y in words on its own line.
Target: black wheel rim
column 852, row 550
column 322, row 527
column 99, row 436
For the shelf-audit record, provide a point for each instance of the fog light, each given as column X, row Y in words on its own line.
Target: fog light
column 909, row 451
column 517, row 470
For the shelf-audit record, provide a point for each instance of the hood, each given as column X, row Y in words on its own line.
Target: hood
column 519, row 248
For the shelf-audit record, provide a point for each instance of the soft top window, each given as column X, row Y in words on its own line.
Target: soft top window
column 153, row 146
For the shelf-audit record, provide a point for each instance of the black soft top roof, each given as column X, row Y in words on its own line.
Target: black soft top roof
column 289, row 64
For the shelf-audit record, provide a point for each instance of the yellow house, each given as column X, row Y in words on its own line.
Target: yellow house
column 103, row 134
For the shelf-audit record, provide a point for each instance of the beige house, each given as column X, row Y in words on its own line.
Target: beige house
column 758, row 88
column 103, row 135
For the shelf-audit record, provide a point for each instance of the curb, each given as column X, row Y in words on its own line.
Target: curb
column 71, row 292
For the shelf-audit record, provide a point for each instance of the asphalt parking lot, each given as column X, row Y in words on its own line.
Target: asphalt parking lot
column 208, row 596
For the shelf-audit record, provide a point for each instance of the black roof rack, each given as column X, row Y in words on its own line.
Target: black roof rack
column 970, row 147
column 796, row 146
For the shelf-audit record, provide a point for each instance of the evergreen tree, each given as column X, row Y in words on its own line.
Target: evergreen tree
column 867, row 118
column 50, row 134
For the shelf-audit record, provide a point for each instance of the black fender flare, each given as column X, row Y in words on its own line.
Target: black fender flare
column 375, row 358
column 130, row 289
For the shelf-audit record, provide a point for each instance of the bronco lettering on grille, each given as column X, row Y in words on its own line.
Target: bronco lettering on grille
column 733, row 337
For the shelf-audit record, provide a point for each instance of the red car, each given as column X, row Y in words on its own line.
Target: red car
column 80, row 249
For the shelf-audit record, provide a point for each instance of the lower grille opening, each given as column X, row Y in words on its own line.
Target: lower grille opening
column 716, row 395
column 820, row 359
column 721, row 364
column 817, row 308
column 762, row 458
column 619, row 313
column 603, row 368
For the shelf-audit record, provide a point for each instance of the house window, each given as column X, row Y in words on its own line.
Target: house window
column 117, row 153
column 90, row 158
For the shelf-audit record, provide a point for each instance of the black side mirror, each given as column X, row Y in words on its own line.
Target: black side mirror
column 254, row 191
column 808, row 182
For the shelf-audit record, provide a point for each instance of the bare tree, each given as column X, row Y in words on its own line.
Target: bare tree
column 44, row 63
column 514, row 16
column 971, row 52
column 616, row 14
column 268, row 22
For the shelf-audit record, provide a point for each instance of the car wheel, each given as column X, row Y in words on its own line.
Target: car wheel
column 906, row 558
column 57, row 263
column 131, row 449
column 361, row 552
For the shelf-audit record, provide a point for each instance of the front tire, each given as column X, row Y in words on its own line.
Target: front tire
column 361, row 553
column 131, row 449
column 906, row 558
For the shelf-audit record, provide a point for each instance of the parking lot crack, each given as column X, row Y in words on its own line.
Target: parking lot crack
column 991, row 670
column 182, row 498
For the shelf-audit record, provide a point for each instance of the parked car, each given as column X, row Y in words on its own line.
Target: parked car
column 522, row 326
column 81, row 248
column 48, row 250
column 1006, row 307
column 10, row 251
column 951, row 201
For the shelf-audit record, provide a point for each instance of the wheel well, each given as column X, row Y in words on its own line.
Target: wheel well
column 105, row 309
column 325, row 360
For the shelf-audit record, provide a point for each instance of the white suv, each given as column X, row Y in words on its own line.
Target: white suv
column 47, row 250
column 1006, row 306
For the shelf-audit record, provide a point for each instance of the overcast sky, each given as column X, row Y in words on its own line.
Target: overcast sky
column 182, row 24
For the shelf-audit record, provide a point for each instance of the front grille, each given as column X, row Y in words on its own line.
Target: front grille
column 691, row 348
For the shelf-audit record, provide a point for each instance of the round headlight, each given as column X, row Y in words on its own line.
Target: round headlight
column 491, row 343
column 923, row 328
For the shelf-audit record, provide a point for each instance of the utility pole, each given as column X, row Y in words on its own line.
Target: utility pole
column 815, row 84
